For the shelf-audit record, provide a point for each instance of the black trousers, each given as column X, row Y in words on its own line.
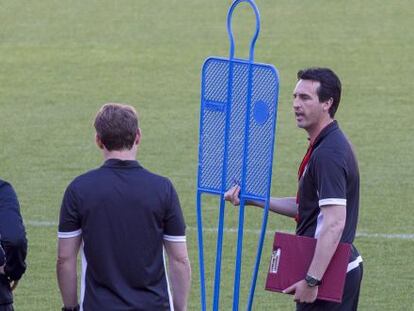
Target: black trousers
column 349, row 300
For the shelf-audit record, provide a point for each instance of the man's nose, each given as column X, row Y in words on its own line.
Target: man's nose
column 296, row 103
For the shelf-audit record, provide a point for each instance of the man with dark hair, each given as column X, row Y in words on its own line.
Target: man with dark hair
column 327, row 202
column 330, row 85
column 123, row 217
column 13, row 247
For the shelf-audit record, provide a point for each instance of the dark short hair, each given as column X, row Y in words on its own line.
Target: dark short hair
column 330, row 85
column 116, row 126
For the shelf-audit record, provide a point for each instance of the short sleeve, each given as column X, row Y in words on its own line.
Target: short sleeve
column 330, row 179
column 174, row 225
column 11, row 222
column 69, row 220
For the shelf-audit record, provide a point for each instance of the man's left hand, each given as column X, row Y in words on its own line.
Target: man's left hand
column 13, row 284
column 303, row 293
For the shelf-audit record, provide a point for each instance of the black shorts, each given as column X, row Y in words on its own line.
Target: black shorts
column 349, row 299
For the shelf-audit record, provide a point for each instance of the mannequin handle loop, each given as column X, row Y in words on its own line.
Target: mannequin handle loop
column 230, row 31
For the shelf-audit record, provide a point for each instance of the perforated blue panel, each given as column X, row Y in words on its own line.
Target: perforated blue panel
column 231, row 145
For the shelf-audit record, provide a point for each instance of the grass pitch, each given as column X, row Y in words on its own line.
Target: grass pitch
column 60, row 61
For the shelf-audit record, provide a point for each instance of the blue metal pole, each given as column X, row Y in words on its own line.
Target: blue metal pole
column 216, row 296
column 201, row 252
column 258, row 256
column 218, row 255
column 239, row 252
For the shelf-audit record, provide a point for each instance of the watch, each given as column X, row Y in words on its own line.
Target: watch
column 311, row 281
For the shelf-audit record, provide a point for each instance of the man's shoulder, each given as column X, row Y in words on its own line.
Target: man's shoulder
column 333, row 145
column 4, row 183
column 154, row 175
column 155, row 178
column 93, row 173
column 329, row 153
column 99, row 173
column 85, row 179
column 334, row 151
column 6, row 188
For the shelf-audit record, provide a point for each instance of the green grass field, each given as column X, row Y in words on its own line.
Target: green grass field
column 61, row 60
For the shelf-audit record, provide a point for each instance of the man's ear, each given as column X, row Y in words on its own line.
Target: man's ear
column 138, row 137
column 328, row 104
column 99, row 142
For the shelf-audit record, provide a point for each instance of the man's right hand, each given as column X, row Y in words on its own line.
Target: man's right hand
column 2, row 259
column 232, row 195
column 13, row 285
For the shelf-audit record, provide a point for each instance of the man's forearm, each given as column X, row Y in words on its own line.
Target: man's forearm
column 283, row 206
column 67, row 280
column 328, row 240
column 180, row 277
column 325, row 248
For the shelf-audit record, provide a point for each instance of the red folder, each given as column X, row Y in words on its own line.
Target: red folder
column 290, row 261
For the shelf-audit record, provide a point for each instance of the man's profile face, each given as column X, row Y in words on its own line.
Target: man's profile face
column 306, row 105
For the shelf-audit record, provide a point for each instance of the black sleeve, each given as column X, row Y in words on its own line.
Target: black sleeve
column 174, row 225
column 13, row 234
column 69, row 220
column 330, row 178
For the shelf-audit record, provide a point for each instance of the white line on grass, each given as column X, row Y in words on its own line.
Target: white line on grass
column 40, row 223
column 397, row 236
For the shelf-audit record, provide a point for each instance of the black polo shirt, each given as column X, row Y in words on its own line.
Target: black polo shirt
column 123, row 213
column 331, row 177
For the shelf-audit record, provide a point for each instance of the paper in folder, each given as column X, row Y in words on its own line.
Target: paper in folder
column 290, row 261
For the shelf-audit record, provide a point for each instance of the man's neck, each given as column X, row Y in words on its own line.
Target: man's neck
column 120, row 154
column 314, row 132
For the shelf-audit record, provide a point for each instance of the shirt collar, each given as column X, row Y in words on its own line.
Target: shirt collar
column 117, row 163
column 325, row 131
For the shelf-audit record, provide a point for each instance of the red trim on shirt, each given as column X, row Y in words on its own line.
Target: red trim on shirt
column 301, row 170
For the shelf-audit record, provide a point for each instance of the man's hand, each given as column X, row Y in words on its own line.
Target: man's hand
column 303, row 293
column 232, row 195
column 2, row 256
column 13, row 285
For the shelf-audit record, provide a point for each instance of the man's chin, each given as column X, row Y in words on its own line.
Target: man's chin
column 300, row 125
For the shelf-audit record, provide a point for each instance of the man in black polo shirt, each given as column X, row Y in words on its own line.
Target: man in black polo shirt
column 122, row 217
column 327, row 203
